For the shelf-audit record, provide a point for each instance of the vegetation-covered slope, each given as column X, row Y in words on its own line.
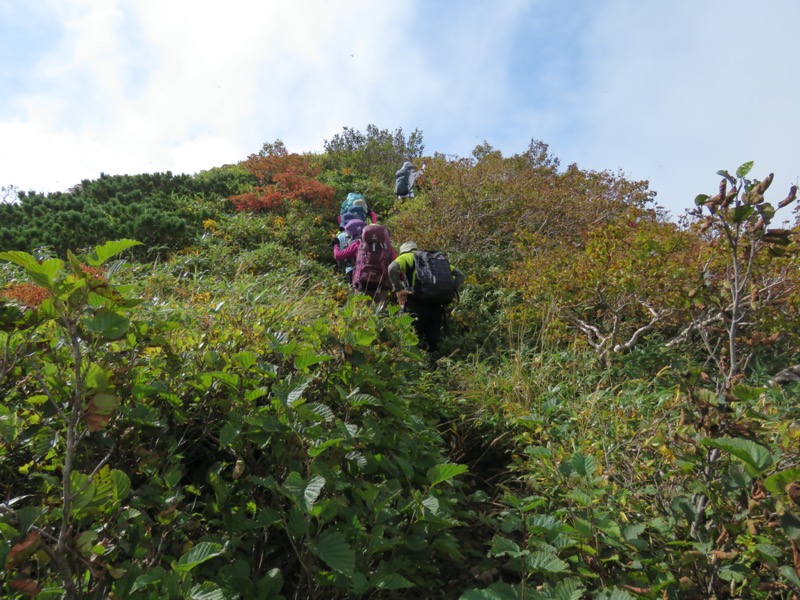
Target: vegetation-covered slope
column 207, row 412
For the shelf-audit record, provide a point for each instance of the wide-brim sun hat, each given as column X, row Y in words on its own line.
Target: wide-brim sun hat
column 408, row 247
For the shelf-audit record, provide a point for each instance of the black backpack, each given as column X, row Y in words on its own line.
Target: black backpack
column 433, row 278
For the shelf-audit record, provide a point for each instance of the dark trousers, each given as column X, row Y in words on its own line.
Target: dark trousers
column 428, row 320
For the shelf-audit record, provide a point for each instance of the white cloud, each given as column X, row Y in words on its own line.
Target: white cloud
column 668, row 92
column 682, row 89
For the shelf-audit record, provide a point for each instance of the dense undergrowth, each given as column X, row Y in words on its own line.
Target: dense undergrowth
column 225, row 420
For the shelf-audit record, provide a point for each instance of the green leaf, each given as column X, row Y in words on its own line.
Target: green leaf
column 585, row 466
column 27, row 516
column 108, row 324
column 502, row 545
column 546, row 562
column 791, row 525
column 701, row 199
column 313, row 490
column 444, row 471
column 742, row 213
column 734, row 572
column 102, row 253
column 206, row 591
column 777, row 482
column 228, row 434
column 756, row 457
column 306, row 360
column 496, row 591
column 744, row 169
column 769, row 550
column 122, row 484
column 568, row 589
column 747, row 393
column 146, row 579
column 83, row 489
column 334, row 550
column 391, row 581
column 618, row 594
column 245, row 359
column 791, row 575
column 318, row 449
column 288, row 393
column 197, row 555
column 43, row 273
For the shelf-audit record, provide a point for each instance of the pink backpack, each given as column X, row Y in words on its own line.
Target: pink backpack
column 373, row 258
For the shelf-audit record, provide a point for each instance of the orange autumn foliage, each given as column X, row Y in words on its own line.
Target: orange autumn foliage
column 26, row 294
column 283, row 178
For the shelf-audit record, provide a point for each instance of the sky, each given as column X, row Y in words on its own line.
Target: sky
column 665, row 91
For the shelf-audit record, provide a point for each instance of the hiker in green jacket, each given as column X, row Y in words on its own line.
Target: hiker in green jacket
column 427, row 310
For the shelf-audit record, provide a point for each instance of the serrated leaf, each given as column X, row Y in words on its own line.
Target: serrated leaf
column 43, row 273
column 108, row 324
column 102, row 253
column 122, row 484
column 288, row 393
column 791, row 525
column 747, row 393
column 756, row 457
column 83, row 489
column 322, row 411
column 391, row 581
column 357, row 457
column 334, row 550
column 496, row 591
column 545, row 562
column 777, row 482
column 313, row 490
column 432, row 504
column 617, row 594
column 307, row 360
column 146, row 579
column 583, row 465
column 206, row 591
column 245, row 359
column 502, row 545
column 443, row 472
column 197, row 555
column 318, row 449
column 568, row 589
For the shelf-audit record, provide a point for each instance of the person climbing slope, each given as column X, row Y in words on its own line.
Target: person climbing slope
column 371, row 250
column 355, row 207
column 425, row 284
column 405, row 178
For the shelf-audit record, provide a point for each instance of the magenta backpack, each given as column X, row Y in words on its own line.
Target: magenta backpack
column 373, row 258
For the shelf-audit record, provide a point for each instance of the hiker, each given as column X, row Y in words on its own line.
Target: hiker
column 405, row 178
column 355, row 207
column 425, row 283
column 350, row 233
column 371, row 252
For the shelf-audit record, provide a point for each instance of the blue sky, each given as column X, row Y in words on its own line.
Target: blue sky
column 668, row 92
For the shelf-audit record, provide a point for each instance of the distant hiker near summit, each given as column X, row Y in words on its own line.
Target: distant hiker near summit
column 405, row 178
